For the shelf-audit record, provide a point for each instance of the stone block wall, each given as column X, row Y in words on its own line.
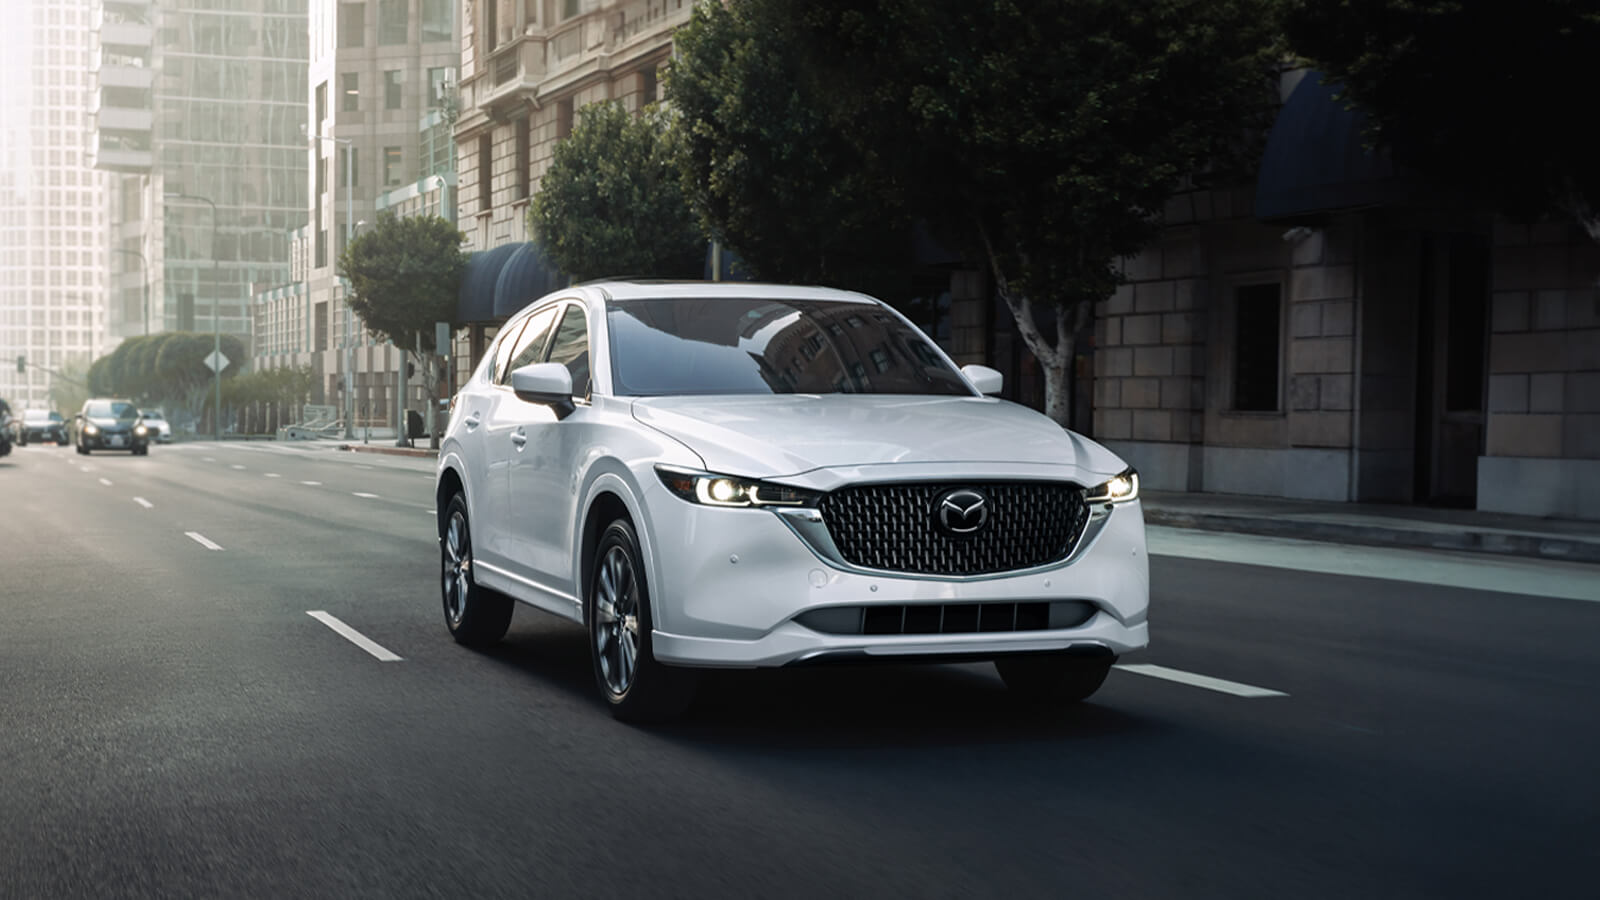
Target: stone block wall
column 1321, row 309
column 1543, row 418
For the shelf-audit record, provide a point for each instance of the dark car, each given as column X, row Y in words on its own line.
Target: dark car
column 40, row 425
column 107, row 424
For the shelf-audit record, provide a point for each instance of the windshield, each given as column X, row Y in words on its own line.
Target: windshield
column 112, row 409
column 756, row 346
column 150, row 414
column 35, row 415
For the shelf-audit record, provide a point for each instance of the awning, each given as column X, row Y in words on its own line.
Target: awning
column 1316, row 161
column 527, row 275
column 475, row 301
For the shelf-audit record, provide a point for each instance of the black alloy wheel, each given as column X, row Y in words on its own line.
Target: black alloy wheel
column 639, row 688
column 475, row 615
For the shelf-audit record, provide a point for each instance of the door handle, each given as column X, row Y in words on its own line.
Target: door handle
column 471, row 421
column 519, row 438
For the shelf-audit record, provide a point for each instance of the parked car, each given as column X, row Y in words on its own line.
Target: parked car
column 37, row 425
column 108, row 424
column 159, row 427
column 739, row 475
column 5, row 428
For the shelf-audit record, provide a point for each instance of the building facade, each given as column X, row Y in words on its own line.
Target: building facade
column 199, row 109
column 380, row 96
column 52, row 203
column 1340, row 331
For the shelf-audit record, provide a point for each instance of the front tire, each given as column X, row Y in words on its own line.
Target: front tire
column 1052, row 679
column 638, row 688
column 476, row 616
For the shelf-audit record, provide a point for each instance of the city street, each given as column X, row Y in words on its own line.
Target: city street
column 199, row 696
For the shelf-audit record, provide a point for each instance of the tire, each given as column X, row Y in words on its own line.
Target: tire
column 1053, row 679
column 84, row 449
column 476, row 616
column 638, row 688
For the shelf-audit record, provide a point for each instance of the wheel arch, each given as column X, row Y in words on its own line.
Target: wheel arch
column 610, row 497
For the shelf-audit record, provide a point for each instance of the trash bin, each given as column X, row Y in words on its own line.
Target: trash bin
column 414, row 426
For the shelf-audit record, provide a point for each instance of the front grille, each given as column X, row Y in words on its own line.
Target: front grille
column 895, row 527
column 948, row 618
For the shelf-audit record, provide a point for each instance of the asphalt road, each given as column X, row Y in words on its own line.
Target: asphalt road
column 174, row 723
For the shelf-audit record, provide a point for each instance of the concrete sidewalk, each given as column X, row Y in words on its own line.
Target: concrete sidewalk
column 389, row 450
column 1378, row 524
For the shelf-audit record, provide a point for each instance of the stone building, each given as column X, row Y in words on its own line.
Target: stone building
column 1341, row 331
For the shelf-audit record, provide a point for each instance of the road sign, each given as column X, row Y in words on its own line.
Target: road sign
column 441, row 338
column 216, row 361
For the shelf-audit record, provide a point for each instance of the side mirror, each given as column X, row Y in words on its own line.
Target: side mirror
column 548, row 383
column 985, row 379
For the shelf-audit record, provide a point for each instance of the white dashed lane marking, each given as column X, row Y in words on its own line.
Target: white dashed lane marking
column 106, row 482
column 353, row 636
column 365, row 496
column 236, row 466
column 203, row 541
column 143, row 502
column 1192, row 679
column 312, row 483
column 273, row 475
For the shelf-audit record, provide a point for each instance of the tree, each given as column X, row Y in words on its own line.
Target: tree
column 70, row 388
column 404, row 276
column 612, row 201
column 1042, row 140
column 768, row 167
column 164, row 369
column 1484, row 94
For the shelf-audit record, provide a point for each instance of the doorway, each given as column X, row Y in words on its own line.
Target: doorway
column 1452, row 352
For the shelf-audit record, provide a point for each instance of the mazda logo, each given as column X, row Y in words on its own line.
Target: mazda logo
column 962, row 511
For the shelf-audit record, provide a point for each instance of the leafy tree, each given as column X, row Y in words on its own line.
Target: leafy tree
column 1042, row 139
column 768, row 166
column 404, row 276
column 1484, row 94
column 164, row 369
column 612, row 201
column 70, row 388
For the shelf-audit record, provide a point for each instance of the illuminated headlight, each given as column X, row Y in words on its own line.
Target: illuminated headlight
column 91, row 428
column 1120, row 489
column 722, row 490
column 140, row 430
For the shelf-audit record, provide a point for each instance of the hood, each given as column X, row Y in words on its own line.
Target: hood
column 112, row 423
column 769, row 436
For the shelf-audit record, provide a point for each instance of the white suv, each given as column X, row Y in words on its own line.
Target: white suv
column 741, row 475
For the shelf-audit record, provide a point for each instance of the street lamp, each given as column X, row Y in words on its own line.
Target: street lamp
column 216, row 314
column 349, row 315
column 144, row 270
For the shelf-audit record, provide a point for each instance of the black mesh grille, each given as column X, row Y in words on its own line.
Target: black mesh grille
column 895, row 527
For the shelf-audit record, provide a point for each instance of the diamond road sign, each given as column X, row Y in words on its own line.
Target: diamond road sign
column 216, row 362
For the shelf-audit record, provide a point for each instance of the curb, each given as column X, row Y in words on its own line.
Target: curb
column 1503, row 543
column 391, row 451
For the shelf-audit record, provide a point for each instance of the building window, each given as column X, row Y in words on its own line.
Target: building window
column 391, row 166
column 352, row 24
column 1257, row 346
column 352, row 92
column 491, row 22
column 524, row 146
column 437, row 21
column 393, row 22
column 322, row 106
column 392, row 98
column 485, row 172
column 439, row 81
column 569, row 8
column 564, row 119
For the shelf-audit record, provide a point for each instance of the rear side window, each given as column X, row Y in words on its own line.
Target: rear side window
column 502, row 349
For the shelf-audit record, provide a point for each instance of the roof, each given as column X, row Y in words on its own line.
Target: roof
column 643, row 289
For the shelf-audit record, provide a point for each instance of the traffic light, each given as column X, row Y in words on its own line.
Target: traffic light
column 22, row 363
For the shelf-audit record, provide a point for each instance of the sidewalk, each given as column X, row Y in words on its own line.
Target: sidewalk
column 390, row 449
column 1378, row 524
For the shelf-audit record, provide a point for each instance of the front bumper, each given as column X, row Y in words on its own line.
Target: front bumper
column 107, row 441
column 729, row 585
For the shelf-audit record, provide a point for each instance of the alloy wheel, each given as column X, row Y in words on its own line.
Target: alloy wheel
column 457, row 567
column 616, row 610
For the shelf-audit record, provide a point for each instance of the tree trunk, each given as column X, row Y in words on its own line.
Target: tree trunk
column 1053, row 360
column 1057, row 384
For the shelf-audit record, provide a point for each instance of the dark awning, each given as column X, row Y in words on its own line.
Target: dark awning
column 1316, row 161
column 527, row 275
column 475, row 301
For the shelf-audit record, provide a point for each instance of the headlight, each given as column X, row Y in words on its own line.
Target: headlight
column 1120, row 489
column 91, row 429
column 724, row 490
column 139, row 429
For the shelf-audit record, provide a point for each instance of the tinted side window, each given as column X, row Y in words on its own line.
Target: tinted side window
column 530, row 344
column 502, row 350
column 571, row 349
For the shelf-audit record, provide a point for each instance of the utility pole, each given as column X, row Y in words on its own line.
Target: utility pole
column 216, row 316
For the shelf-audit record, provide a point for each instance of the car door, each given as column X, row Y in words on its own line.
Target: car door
column 544, row 470
column 492, row 533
